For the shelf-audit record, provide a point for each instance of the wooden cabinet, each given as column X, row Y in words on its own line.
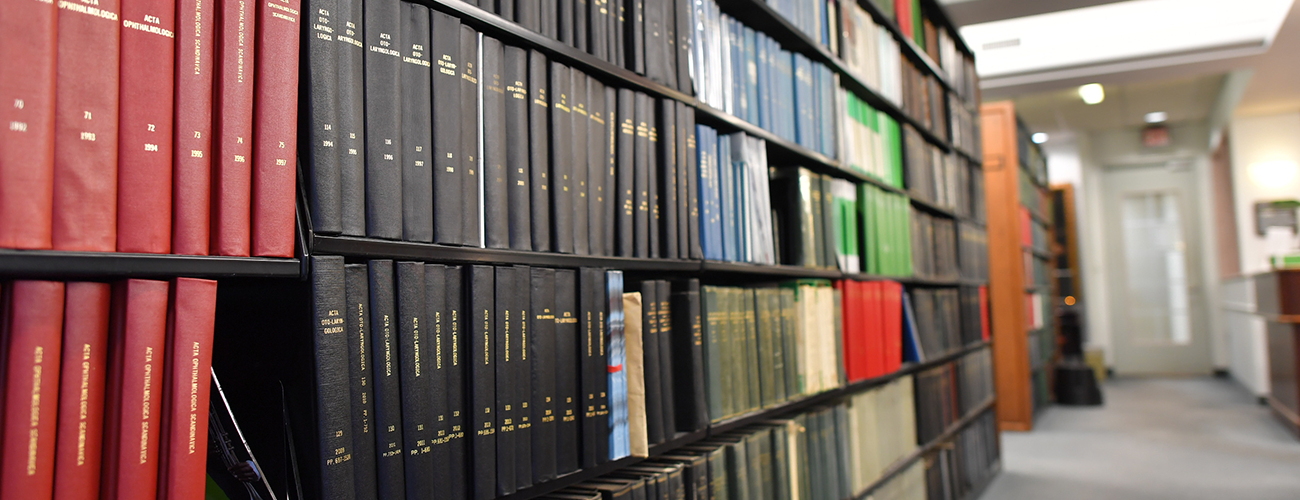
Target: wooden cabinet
column 1277, row 296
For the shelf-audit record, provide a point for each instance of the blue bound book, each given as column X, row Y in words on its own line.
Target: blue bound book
column 620, row 444
column 751, row 75
column 727, row 214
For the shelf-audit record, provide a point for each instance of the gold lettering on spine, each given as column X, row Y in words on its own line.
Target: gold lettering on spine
column 487, row 340
column 415, row 341
column 147, row 396
column 34, row 418
column 83, row 404
column 195, row 350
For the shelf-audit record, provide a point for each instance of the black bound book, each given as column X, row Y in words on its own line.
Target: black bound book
column 654, row 40
column 624, row 200
column 578, row 171
column 526, row 14
column 383, row 120
column 480, row 326
column 683, row 205
column 357, row 314
column 505, row 340
column 618, row 18
column 580, row 35
column 634, row 33
column 333, row 401
column 596, row 160
column 669, row 46
column 547, row 19
column 596, row 28
column 609, row 207
column 663, row 292
column 595, row 363
column 687, row 116
column 416, row 380
column 652, row 151
column 520, row 309
column 515, row 77
column 561, row 158
column 496, row 205
column 541, row 355
column 321, row 106
column 417, row 126
column 565, row 22
column 471, row 138
column 641, row 182
column 437, row 349
column 650, row 351
column 447, row 122
column 388, row 386
column 685, row 32
column 568, row 438
column 689, row 403
column 457, row 403
column 352, row 115
column 539, row 153
column 506, row 8
column 668, row 176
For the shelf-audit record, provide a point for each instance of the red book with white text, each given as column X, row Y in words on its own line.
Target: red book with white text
column 85, row 127
column 184, row 444
column 232, row 160
column 27, row 39
column 137, row 339
column 192, row 150
column 275, row 119
column 81, row 391
column 32, row 336
column 144, row 151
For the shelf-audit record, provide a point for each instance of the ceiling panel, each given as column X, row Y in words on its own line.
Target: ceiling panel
column 1184, row 100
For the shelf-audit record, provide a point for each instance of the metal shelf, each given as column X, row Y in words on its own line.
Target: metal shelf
column 106, row 265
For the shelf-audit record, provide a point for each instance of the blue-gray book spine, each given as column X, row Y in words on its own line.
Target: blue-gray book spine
column 620, row 440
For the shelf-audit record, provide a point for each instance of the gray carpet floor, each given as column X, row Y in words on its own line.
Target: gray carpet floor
column 1189, row 438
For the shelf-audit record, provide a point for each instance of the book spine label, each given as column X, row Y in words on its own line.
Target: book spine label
column 541, row 352
column 275, row 128
column 417, row 124
column 361, row 378
column 85, row 360
column 539, row 137
column 624, row 201
column 448, row 171
column 34, row 339
column 568, row 396
column 471, row 138
column 350, row 125
column 232, row 170
column 85, row 129
column 481, row 326
column 496, row 221
column 188, row 375
column 138, row 346
column 145, row 126
column 416, row 379
column 457, row 398
column 383, row 100
column 518, row 169
column 562, row 148
column 386, row 360
column 27, row 143
column 578, row 170
column 192, row 149
column 505, row 348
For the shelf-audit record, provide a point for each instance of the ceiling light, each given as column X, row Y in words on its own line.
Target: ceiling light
column 1273, row 174
column 1156, row 117
column 1092, row 93
column 1038, row 138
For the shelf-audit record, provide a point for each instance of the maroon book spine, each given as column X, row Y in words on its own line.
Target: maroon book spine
column 144, row 148
column 33, row 327
column 184, row 447
column 85, row 126
column 27, row 41
column 232, row 161
column 137, row 342
column 275, row 131
column 192, row 164
column 81, row 391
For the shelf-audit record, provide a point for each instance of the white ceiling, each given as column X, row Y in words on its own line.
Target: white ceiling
column 1062, row 111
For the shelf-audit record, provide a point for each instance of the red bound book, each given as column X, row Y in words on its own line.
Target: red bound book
column 192, row 163
column 137, row 339
column 275, row 121
column 85, row 127
column 855, row 327
column 876, row 343
column 892, row 302
column 184, row 443
column 27, row 41
column 81, row 391
column 33, row 328
column 984, row 312
column 144, row 148
column 232, row 164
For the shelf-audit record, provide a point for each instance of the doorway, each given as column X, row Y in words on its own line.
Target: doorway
column 1158, row 299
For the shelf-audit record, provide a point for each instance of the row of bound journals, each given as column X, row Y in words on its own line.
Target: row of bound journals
column 105, row 389
column 830, row 452
column 146, row 134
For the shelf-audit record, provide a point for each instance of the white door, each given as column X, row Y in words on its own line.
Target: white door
column 1158, row 301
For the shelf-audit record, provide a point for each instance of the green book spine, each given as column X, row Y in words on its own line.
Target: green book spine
column 751, row 350
column 713, row 354
column 766, row 348
column 772, row 306
column 737, row 467
column 735, row 385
